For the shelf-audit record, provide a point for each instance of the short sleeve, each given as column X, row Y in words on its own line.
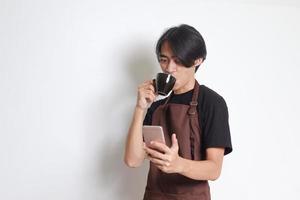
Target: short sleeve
column 216, row 131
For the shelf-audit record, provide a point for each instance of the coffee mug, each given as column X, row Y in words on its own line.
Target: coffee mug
column 164, row 83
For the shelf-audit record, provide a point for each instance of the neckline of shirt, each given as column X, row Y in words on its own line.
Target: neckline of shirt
column 182, row 94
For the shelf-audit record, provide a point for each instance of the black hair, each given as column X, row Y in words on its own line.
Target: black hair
column 186, row 43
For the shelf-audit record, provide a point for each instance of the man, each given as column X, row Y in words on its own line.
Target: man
column 194, row 117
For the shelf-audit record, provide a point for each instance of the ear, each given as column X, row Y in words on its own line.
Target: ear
column 198, row 61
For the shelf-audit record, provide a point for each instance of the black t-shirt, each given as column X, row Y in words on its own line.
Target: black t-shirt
column 212, row 111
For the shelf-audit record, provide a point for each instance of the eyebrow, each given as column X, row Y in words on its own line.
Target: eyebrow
column 162, row 55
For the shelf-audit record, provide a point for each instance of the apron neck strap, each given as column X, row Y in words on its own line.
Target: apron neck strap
column 196, row 92
column 194, row 102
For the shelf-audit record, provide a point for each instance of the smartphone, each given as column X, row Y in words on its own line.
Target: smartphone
column 153, row 133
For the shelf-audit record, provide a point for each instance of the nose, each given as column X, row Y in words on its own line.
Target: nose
column 171, row 67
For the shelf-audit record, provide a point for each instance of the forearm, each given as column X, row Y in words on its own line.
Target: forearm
column 134, row 153
column 200, row 170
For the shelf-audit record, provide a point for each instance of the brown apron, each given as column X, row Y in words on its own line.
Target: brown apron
column 184, row 122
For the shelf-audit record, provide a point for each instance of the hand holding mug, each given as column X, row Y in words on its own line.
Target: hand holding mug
column 148, row 90
column 146, row 94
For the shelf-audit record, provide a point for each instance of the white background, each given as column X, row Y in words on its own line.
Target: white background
column 68, row 77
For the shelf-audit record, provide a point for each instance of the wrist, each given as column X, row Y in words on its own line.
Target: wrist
column 183, row 165
column 140, row 109
column 139, row 113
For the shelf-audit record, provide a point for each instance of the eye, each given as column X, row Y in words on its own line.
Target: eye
column 163, row 60
column 177, row 61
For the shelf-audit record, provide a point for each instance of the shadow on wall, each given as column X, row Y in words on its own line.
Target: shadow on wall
column 141, row 65
column 112, row 176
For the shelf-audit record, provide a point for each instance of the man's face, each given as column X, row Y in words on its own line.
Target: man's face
column 171, row 64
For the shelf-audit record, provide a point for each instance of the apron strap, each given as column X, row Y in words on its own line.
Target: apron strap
column 194, row 102
column 193, row 120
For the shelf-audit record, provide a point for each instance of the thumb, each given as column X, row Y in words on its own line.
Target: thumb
column 174, row 141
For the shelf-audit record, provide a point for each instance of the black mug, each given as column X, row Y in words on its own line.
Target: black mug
column 164, row 83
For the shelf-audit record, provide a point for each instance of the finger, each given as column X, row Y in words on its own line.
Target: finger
column 146, row 154
column 174, row 141
column 150, row 87
column 159, row 162
column 149, row 97
column 148, row 81
column 150, row 94
column 153, row 97
column 144, row 147
column 162, row 168
column 156, row 154
column 159, row 146
column 141, row 86
column 149, row 91
column 145, row 83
